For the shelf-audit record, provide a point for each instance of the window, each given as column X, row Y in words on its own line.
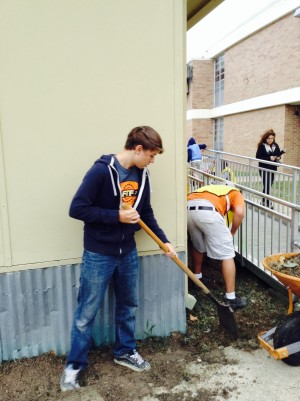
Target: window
column 219, row 134
column 219, row 80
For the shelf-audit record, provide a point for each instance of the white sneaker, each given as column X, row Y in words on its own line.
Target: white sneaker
column 69, row 379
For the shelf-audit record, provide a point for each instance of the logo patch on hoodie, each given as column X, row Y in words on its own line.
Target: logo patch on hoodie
column 129, row 191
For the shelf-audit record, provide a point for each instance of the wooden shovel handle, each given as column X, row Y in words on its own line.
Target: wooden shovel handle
column 166, row 249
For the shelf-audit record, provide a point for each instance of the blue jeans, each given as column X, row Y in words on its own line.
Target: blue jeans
column 96, row 272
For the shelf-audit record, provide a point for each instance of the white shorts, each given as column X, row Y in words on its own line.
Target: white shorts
column 208, row 230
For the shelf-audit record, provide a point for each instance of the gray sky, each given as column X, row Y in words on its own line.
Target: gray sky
column 221, row 22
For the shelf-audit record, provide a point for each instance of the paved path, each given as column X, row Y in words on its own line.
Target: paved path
column 253, row 377
column 246, row 376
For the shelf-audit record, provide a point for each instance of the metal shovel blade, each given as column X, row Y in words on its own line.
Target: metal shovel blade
column 226, row 317
column 225, row 313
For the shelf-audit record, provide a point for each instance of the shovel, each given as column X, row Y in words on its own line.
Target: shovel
column 225, row 313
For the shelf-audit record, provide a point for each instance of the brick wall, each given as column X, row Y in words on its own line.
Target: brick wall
column 201, row 130
column 201, row 97
column 292, row 136
column 266, row 62
column 201, row 88
column 242, row 132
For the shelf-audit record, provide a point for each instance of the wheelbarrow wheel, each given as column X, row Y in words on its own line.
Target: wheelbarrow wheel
column 286, row 333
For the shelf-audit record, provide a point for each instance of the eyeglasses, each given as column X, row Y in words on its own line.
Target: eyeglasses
column 270, row 138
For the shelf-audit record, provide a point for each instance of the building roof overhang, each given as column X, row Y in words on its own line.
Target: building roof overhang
column 198, row 9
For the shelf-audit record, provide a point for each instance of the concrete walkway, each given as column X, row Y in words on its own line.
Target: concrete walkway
column 246, row 376
column 254, row 376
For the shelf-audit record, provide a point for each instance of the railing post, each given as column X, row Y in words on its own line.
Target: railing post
column 240, row 240
column 218, row 164
column 250, row 176
column 294, row 228
column 295, row 184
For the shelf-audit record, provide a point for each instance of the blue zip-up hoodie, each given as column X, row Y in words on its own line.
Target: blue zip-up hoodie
column 97, row 203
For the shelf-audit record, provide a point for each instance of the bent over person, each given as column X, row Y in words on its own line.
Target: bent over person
column 110, row 252
column 207, row 207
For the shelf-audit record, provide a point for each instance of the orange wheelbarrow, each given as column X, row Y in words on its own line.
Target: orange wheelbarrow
column 286, row 335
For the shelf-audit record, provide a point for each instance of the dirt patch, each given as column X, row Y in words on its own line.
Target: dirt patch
column 287, row 265
column 204, row 343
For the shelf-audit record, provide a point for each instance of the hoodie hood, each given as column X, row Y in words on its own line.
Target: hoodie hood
column 106, row 159
column 109, row 161
column 191, row 142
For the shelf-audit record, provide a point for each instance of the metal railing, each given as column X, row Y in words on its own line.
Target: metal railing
column 264, row 231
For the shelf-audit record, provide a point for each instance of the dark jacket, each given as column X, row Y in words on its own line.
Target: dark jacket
column 263, row 154
column 97, row 203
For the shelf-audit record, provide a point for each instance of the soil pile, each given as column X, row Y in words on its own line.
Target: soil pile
column 287, row 265
column 204, row 342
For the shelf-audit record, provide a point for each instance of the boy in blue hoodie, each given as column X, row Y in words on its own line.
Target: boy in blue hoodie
column 109, row 247
column 194, row 153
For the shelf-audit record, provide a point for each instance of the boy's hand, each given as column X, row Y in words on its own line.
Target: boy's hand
column 172, row 253
column 128, row 216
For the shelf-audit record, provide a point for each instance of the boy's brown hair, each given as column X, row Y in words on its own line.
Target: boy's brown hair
column 145, row 136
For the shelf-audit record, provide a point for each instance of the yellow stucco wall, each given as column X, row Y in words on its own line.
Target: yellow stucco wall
column 75, row 77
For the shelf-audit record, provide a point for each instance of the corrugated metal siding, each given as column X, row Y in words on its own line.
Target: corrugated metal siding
column 37, row 306
column 36, row 310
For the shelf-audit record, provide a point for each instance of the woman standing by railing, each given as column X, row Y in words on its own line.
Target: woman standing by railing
column 268, row 149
